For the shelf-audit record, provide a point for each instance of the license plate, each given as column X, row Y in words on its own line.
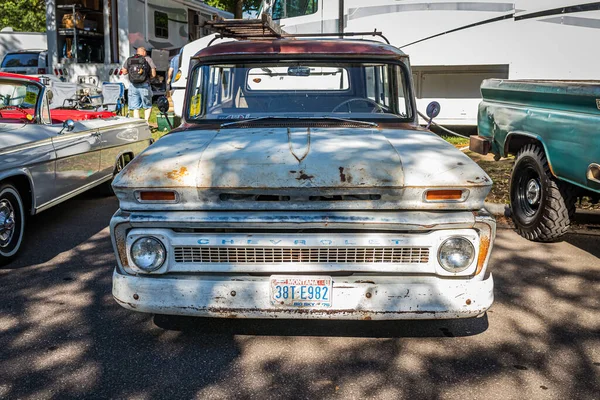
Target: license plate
column 301, row 291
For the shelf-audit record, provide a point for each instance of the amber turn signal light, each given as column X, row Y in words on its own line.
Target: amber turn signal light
column 443, row 195
column 157, row 196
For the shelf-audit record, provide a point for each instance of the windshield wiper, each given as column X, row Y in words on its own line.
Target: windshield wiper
column 354, row 121
column 242, row 121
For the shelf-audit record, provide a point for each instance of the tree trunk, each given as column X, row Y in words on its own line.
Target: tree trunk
column 239, row 9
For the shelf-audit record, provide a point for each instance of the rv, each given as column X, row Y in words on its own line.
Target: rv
column 89, row 40
column 454, row 46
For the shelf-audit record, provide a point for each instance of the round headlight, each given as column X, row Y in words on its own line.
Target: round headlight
column 148, row 253
column 456, row 254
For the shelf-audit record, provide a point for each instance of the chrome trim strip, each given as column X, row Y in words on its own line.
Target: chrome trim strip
column 26, row 146
column 380, row 220
column 76, row 135
column 132, row 123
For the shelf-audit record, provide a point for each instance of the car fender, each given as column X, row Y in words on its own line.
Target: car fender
column 531, row 135
column 21, row 172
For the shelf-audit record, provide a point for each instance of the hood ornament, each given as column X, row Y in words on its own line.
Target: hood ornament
column 299, row 142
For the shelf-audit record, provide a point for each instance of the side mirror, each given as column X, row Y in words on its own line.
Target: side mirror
column 433, row 110
column 163, row 104
column 68, row 126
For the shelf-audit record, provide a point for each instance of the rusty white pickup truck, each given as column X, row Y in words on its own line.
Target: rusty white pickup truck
column 301, row 186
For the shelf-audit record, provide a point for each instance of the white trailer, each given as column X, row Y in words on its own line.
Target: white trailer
column 89, row 40
column 454, row 45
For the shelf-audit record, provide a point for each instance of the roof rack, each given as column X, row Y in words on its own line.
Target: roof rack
column 263, row 28
column 341, row 35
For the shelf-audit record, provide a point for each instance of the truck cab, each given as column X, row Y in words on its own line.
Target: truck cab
column 300, row 185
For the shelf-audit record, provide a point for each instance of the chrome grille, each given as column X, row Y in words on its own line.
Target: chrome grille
column 277, row 255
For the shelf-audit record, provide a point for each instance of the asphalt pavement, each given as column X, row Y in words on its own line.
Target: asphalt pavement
column 63, row 336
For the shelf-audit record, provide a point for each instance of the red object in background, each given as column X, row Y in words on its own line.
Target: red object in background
column 19, row 76
column 60, row 116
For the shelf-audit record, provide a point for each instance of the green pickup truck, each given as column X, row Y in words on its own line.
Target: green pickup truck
column 553, row 129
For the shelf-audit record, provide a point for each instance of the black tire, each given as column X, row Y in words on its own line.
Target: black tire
column 105, row 189
column 12, row 223
column 542, row 206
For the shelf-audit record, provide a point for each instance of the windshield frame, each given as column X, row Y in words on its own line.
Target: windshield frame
column 389, row 118
column 41, row 94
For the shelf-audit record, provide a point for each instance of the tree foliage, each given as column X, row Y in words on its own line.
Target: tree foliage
column 235, row 6
column 23, row 15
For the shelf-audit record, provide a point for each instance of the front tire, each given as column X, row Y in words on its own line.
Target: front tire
column 542, row 206
column 12, row 223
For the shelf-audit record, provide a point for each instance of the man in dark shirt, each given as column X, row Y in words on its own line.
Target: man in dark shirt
column 140, row 94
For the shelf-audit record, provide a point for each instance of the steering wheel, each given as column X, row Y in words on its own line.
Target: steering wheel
column 376, row 109
column 16, row 108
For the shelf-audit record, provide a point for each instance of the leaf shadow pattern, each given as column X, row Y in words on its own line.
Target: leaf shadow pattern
column 63, row 336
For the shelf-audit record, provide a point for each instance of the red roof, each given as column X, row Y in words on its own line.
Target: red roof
column 19, row 76
column 282, row 47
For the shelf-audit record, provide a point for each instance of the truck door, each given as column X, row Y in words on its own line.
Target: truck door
column 77, row 157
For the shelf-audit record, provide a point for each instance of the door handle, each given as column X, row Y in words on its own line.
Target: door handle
column 97, row 134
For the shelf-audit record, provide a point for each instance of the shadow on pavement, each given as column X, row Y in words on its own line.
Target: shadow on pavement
column 588, row 243
column 63, row 227
column 326, row 328
column 63, row 336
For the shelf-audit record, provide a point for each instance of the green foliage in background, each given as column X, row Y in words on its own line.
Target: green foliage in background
column 233, row 5
column 23, row 15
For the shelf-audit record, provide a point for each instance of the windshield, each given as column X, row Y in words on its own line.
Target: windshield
column 18, row 100
column 279, row 89
column 20, row 60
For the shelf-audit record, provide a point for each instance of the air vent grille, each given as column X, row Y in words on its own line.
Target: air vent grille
column 279, row 255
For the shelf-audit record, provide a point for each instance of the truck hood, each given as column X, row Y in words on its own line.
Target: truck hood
column 299, row 157
column 293, row 161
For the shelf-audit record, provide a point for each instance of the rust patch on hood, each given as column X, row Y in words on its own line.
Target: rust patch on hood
column 345, row 176
column 342, row 175
column 302, row 176
column 178, row 175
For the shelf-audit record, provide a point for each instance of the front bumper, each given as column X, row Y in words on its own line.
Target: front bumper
column 248, row 297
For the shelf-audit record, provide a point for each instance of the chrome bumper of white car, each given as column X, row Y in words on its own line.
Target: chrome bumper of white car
column 249, row 297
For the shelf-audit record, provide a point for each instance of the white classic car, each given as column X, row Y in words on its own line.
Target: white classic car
column 50, row 155
column 301, row 186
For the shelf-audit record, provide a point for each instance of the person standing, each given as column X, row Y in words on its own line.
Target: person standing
column 140, row 69
column 172, row 72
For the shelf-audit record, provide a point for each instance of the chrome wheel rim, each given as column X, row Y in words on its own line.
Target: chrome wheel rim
column 533, row 192
column 7, row 222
